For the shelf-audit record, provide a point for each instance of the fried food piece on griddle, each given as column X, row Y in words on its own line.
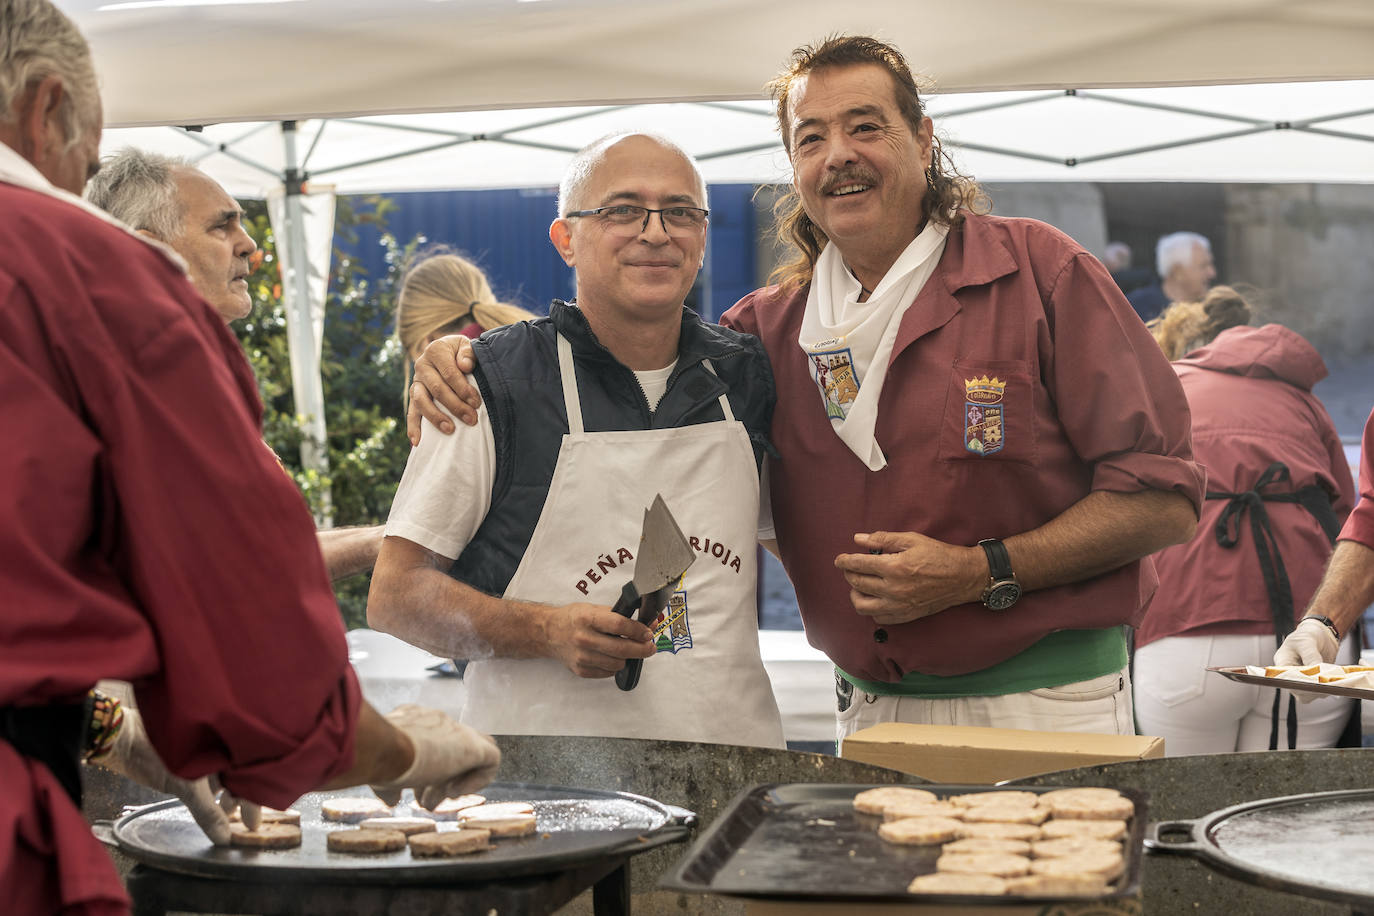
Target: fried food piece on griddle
column 364, row 841
column 449, row 843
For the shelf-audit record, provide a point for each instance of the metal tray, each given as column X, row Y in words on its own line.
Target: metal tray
column 1240, row 674
column 1320, row 844
column 803, row 841
column 573, row 827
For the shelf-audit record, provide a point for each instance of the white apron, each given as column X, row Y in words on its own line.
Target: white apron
column 707, row 681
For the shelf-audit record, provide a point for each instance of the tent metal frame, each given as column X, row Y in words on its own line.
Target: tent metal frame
column 310, row 403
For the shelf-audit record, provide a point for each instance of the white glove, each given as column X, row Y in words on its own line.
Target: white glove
column 134, row 756
column 450, row 759
column 1310, row 643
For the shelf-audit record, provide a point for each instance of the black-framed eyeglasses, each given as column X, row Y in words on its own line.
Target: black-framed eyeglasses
column 628, row 220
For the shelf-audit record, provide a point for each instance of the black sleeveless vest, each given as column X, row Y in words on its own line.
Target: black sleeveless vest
column 517, row 373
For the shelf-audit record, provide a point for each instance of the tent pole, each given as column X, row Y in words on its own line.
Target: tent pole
column 307, row 384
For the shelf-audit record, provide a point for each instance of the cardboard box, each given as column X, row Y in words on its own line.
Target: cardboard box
column 1119, row 907
column 966, row 754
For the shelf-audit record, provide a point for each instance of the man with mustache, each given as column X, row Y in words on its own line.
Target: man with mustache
column 174, row 202
column 968, row 533
column 508, row 541
column 980, row 444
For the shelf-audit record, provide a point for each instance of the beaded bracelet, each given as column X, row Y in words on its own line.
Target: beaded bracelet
column 107, row 716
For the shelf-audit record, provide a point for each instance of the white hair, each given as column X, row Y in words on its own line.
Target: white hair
column 1117, row 256
column 1176, row 249
column 585, row 161
column 140, row 189
column 36, row 42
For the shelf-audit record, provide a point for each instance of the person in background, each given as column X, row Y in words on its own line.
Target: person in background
column 1184, row 263
column 1117, row 258
column 1277, row 487
column 969, row 419
column 171, row 201
column 145, row 533
column 1347, row 586
column 443, row 293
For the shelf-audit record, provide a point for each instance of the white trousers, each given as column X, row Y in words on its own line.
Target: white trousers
column 1101, row 705
column 1197, row 711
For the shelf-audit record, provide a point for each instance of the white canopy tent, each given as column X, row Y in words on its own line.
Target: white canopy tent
column 276, row 81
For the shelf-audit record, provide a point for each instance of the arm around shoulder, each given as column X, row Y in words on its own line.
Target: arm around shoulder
column 349, row 551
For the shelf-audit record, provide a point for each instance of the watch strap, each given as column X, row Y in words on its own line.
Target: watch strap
column 1330, row 624
column 999, row 561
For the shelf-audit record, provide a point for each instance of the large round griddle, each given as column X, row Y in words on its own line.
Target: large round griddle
column 1320, row 844
column 573, row 826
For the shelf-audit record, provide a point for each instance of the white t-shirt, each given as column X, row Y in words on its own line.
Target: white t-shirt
column 445, row 492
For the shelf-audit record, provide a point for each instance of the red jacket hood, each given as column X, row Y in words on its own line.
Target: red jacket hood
column 1271, row 351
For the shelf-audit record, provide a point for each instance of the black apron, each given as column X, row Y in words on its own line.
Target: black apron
column 1318, row 504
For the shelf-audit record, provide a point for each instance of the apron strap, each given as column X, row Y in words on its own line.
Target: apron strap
column 1276, row 583
column 571, row 402
column 724, row 401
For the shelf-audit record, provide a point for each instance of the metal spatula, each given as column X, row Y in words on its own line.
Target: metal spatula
column 664, row 555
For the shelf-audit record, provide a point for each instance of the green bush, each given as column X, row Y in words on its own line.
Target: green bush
column 362, row 371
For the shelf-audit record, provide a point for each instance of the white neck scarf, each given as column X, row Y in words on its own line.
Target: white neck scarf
column 848, row 343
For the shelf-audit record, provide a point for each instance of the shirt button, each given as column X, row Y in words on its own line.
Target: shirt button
column 880, row 635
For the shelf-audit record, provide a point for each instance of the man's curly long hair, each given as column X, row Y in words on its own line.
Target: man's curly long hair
column 948, row 194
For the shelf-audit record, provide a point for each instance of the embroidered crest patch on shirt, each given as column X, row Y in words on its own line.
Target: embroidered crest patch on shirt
column 833, row 371
column 984, row 426
column 672, row 630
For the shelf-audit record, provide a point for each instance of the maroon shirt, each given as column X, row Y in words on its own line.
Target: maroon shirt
column 1360, row 525
column 1250, row 392
column 146, row 535
column 1088, row 402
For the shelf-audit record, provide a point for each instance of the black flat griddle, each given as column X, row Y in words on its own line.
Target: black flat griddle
column 1319, row 844
column 573, row 827
column 806, row 842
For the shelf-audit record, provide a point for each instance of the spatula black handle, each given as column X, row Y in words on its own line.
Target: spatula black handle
column 626, row 678
column 628, row 602
column 626, row 605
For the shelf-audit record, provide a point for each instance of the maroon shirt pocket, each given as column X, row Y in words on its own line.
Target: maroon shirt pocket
column 989, row 412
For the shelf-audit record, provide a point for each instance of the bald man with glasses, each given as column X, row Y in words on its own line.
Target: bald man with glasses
column 509, row 541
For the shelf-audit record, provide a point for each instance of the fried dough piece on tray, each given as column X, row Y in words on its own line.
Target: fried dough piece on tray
column 998, row 813
column 874, row 801
column 899, row 810
column 998, row 864
column 363, row 841
column 1103, row 866
column 997, row 797
column 1004, row 831
column 1057, row 886
column 987, row 844
column 1102, row 830
column 921, row 831
column 949, row 882
column 1073, row 845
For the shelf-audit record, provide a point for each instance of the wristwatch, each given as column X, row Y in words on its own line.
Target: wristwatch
column 1003, row 590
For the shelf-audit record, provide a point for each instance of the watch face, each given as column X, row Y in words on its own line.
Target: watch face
column 1002, row 595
